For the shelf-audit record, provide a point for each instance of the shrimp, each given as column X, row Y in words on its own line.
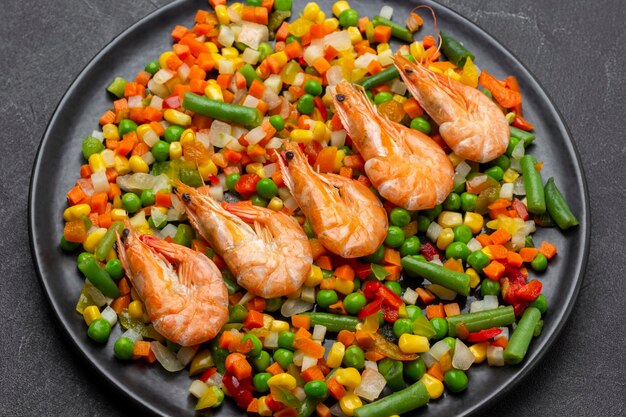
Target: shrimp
column 189, row 304
column 347, row 217
column 271, row 258
column 469, row 122
column 406, row 167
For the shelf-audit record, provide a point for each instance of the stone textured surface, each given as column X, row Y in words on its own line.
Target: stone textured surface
column 575, row 49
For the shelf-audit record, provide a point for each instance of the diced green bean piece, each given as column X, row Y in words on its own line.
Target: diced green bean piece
column 535, row 196
column 456, row 281
column 498, row 317
column 522, row 335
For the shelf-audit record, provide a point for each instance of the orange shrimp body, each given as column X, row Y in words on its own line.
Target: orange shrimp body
column 347, row 217
column 406, row 167
column 469, row 122
column 271, row 258
column 187, row 305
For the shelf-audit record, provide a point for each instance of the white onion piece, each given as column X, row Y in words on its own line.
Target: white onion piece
column 299, row 391
column 132, row 335
column 161, row 184
column 515, row 165
column 463, row 358
column 198, row 388
column 506, row 191
column 215, row 380
column 252, row 34
column 97, row 134
column 150, row 138
column 442, row 292
column 372, row 383
column 518, row 240
column 274, row 143
column 169, row 230
column 338, row 138
column 250, row 56
column 284, row 193
column 477, row 306
column 308, row 294
column 136, row 183
column 157, row 89
column 335, row 410
column 308, row 362
column 505, row 333
column 183, row 72
column 491, row 302
column 217, row 192
column 158, row 217
column 270, row 169
column 319, row 333
column 529, row 227
column 312, row 53
column 148, row 158
column 364, row 60
column 398, row 87
column 139, row 219
column 409, row 296
column 334, row 75
column 162, row 76
column 433, row 231
column 290, row 204
column 436, row 260
column 226, row 36
column 518, row 151
column 385, row 58
column 100, row 182
column 177, row 211
column 156, row 103
column 96, row 295
column 234, row 145
column 339, row 40
column 386, row 12
column 109, row 315
column 271, row 340
column 428, row 359
column 474, row 245
column 298, row 357
column 255, row 136
column 371, row 365
column 220, row 139
column 294, row 306
column 186, row 353
column 250, row 101
column 135, row 102
column 271, row 98
column 233, row 15
column 166, row 358
column 518, row 186
column 495, row 355
column 202, row 136
column 226, row 66
column 439, row 349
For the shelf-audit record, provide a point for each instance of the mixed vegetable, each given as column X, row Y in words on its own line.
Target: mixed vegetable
column 451, row 286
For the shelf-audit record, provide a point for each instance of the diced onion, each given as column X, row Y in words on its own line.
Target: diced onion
column 364, row 60
column 339, row 40
column 335, row 410
column 156, row 103
column 203, row 137
column 334, row 75
column 132, row 335
column 177, row 211
column 312, row 53
column 186, row 353
column 250, row 56
column 439, row 349
column 529, row 227
column 409, row 296
column 226, row 66
column 271, row 340
column 226, row 36
column 96, row 295
column 491, row 302
column 398, row 87
column 198, row 388
column 319, row 332
column 294, row 306
column 284, row 193
column 371, row 365
column 518, row 151
column 372, row 384
column 183, row 72
column 505, row 333
column 386, row 12
column 97, row 134
column 100, row 182
column 463, row 358
column 135, row 102
column 255, row 136
column 518, row 186
column 274, row 143
column 148, row 158
column 290, row 204
column 308, row 362
column 162, row 76
column 234, row 145
column 433, row 231
column 215, row 380
column 139, row 219
column 476, row 306
column 515, row 165
column 166, row 358
column 168, row 231
column 473, row 245
column 220, row 133
column 308, row 294
column 495, row 355
column 299, row 391
column 252, row 34
column 518, row 240
column 463, row 169
column 157, row 89
column 338, row 138
column 109, row 158
column 109, row 315
column 506, row 191
column 248, row 296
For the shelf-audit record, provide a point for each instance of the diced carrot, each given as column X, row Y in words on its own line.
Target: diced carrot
column 391, row 256
column 498, row 251
column 484, row 240
column 453, row 265
column 104, row 220
column 547, row 249
column 322, row 410
column 205, row 62
column 93, row 218
column 394, row 272
column 374, row 67
column 150, row 114
column 123, row 286
column 435, row 371
column 253, row 407
column 317, row 249
column 257, row 88
column 528, row 254
column 429, row 41
column 494, row 270
column 228, row 96
column 370, row 355
column 435, row 311
column 142, row 348
column 324, row 262
column 321, row 65
column 75, row 231
column 310, row 347
column 238, row 366
column 124, row 147
column 140, row 148
column 293, row 50
column 178, row 32
column 282, row 32
column 163, row 199
column 412, row 108
column 500, row 237
column 452, row 309
column 225, row 340
column 433, row 53
column 382, row 34
column 500, row 342
column 196, row 73
column 314, row 373
column 75, row 195
column 514, row 258
column 425, row 295
column 335, row 388
column 256, row 304
column 223, row 80
column 253, row 320
column 111, row 143
column 120, row 303
column 99, row 202
column 328, row 284
column 346, row 337
column 504, row 96
column 301, row 322
column 345, row 272
column 107, row 118
column 274, row 369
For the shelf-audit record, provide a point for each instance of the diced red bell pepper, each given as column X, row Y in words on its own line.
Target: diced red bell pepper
column 370, row 289
column 207, row 374
column 484, row 335
column 514, row 274
column 246, row 184
column 530, row 291
column 429, row 251
column 214, row 179
column 390, row 314
column 241, row 391
column 389, row 297
column 311, row 151
column 520, row 208
column 319, row 105
column 370, row 308
column 363, row 270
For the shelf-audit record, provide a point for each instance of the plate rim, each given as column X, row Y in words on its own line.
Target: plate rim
column 136, row 400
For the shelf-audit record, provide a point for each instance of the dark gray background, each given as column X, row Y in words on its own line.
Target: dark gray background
column 574, row 48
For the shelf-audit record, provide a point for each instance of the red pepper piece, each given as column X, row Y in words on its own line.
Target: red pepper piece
column 514, row 274
column 530, row 291
column 207, row 374
column 484, row 335
column 214, row 179
column 320, row 106
column 241, row 391
column 429, row 252
column 312, row 150
column 370, row 289
column 363, row 270
column 370, row 308
column 520, row 208
column 389, row 297
column 247, row 184
column 390, row 314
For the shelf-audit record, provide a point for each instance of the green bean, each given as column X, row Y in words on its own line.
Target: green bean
column 392, row 371
column 397, row 31
column 557, row 206
column 456, row 281
column 379, row 78
column 521, row 337
column 231, row 113
column 400, row 402
column 307, row 407
column 231, row 284
column 333, row 322
column 498, row 317
column 454, row 50
column 527, row 137
column 534, row 185
column 107, row 241
column 99, row 277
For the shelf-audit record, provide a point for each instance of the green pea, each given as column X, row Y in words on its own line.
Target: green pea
column 147, row 198
column 152, row 67
column 457, row 250
column 503, row 161
column 286, row 339
column 468, row 201
column 395, row 237
column 237, row 314
column 316, row 389
column 399, row 217
column 441, row 327
column 354, row 302
column 99, row 330
column 410, row 246
column 123, row 348
column 489, row 287
column 292, row 38
column 495, row 172
column 452, row 202
column 421, row 124
column 313, row 87
column 456, row 380
column 382, row 97
column 540, row 303
column 161, row 151
column 257, row 345
column 478, row 260
column 433, row 212
column 68, row 246
column 277, row 122
column 261, row 361
column 354, row 357
column 423, row 223
column 173, row 133
column 260, row 381
column 402, row 326
column 305, row 104
column 284, row 357
column 273, row 304
column 283, row 5
column 231, row 181
column 114, row 268
column 349, row 17
column 126, row 126
column 326, row 298
column 131, row 202
column 266, row 188
column 394, row 286
column 83, row 256
column 259, row 201
column 540, row 263
column 377, row 256
column 462, row 233
column 415, row 369
column 91, row 146
column 265, row 48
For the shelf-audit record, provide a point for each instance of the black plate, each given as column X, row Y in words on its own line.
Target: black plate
column 59, row 158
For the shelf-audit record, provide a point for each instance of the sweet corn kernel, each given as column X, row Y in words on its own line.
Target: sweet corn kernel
column 110, row 131
column 487, row 252
column 283, row 380
column 399, row 99
column 433, row 386
column 321, row 17
column 137, row 164
column 402, row 313
column 311, row 11
column 410, row 343
column 279, row 326
column 474, row 278
column 315, row 276
column 135, row 310
column 474, row 221
column 176, row 117
column 93, row 239
column 510, row 117
column 355, row 34
column 301, row 136
column 142, row 129
column 339, row 7
column 207, row 169
column 281, row 57
column 267, row 321
column 176, row 151
column 216, row 58
column 111, row 255
column 445, row 238
column 264, row 410
column 335, row 355
column 510, row 175
column 222, row 14
column 348, row 377
column 382, row 47
column 76, row 212
column 319, row 131
column 417, row 50
column 118, row 214
column 358, row 73
column 96, row 163
column 213, row 91
column 275, row 204
column 339, row 159
column 187, row 136
column 479, row 350
column 230, row 52
column 121, row 165
column 163, row 59
column 450, row 219
column 254, row 168
column 455, row 159
column 343, row 286
column 332, row 23
column 350, row 402
column 90, row 314
column 117, row 202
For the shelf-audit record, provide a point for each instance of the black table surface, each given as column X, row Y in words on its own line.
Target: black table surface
column 574, row 48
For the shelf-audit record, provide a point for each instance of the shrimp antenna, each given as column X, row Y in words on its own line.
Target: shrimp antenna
column 434, row 15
